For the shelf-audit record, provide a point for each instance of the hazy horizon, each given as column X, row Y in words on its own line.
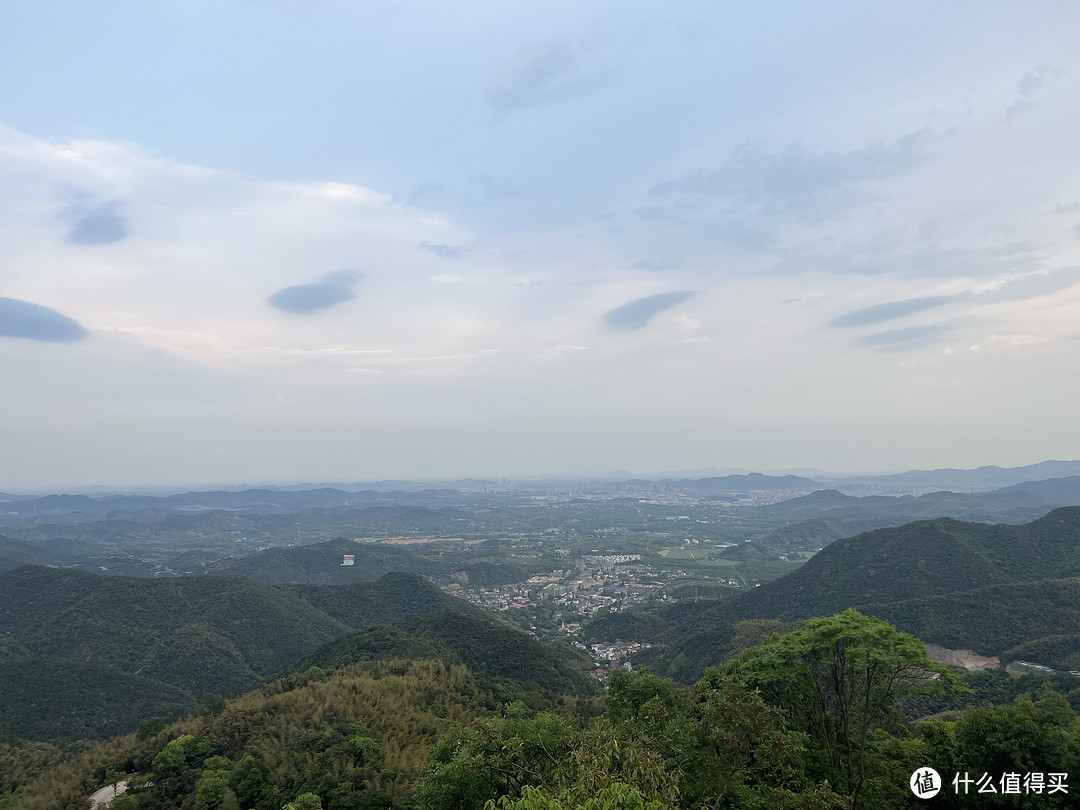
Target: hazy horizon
column 313, row 242
column 564, row 478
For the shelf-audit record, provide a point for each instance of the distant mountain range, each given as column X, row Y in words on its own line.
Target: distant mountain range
column 261, row 501
column 1013, row 505
column 821, row 517
column 298, row 498
column 989, row 477
column 735, row 480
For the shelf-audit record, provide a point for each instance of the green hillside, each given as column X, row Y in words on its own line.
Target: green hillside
column 16, row 553
column 45, row 698
column 359, row 737
column 123, row 622
column 816, row 533
column 430, row 735
column 627, row 626
column 116, row 649
column 958, row 584
column 484, row 647
column 321, row 563
column 1029, row 620
column 924, row 558
column 392, row 596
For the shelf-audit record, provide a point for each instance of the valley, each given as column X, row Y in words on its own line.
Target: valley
column 126, row 635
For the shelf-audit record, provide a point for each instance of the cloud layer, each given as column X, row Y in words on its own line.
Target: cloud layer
column 575, row 224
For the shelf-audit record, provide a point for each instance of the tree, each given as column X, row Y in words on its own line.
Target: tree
column 736, row 744
column 837, row 680
column 616, row 796
column 495, row 757
column 113, row 777
column 1039, row 736
column 212, row 703
column 305, row 801
column 176, row 769
column 721, row 743
column 149, row 728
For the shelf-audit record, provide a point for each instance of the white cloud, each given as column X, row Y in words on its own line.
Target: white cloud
column 489, row 350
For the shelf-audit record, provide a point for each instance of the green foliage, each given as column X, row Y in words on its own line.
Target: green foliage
column 1015, row 620
column 837, row 681
column 806, row 720
column 754, row 632
column 48, row 699
column 616, row 796
column 484, row 574
column 499, row 651
column 1028, row 736
column 952, row 583
column 394, row 596
column 989, row 688
column 657, row 745
column 305, row 801
column 212, row 790
column 355, row 738
column 725, row 746
column 1061, row 651
column 494, row 757
column 149, row 728
column 627, row 627
column 175, row 770
column 22, row 763
column 95, row 655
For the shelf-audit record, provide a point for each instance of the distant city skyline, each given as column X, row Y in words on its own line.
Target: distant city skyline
column 294, row 241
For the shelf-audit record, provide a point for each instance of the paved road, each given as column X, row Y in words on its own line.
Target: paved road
column 102, row 797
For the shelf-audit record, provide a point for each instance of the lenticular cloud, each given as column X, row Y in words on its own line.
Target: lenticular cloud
column 22, row 319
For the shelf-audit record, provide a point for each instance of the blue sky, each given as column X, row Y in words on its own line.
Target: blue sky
column 279, row 240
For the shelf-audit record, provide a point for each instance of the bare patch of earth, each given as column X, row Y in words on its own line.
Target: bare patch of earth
column 966, row 659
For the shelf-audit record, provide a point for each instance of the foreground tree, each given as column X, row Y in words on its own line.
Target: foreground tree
column 1038, row 737
column 724, row 746
column 839, row 681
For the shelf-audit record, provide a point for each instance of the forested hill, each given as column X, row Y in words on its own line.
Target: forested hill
column 920, row 559
column 321, row 563
column 429, row 735
column 393, row 595
column 78, row 651
column 15, row 553
column 495, row 650
column 913, row 575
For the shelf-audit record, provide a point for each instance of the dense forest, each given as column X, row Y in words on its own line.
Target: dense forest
column 200, row 693
column 83, row 655
column 426, row 735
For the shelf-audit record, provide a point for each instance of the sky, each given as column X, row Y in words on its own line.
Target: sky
column 316, row 240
